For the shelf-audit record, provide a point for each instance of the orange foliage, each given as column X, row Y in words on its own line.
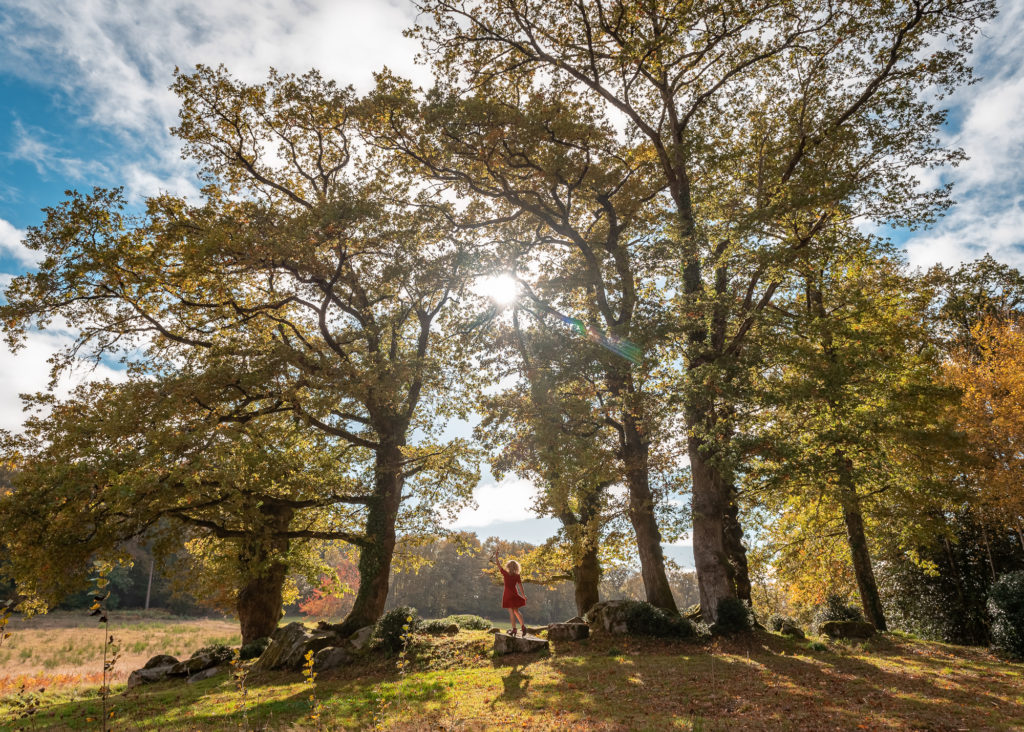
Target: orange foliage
column 336, row 594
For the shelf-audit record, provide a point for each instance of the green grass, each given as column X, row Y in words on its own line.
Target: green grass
column 762, row 681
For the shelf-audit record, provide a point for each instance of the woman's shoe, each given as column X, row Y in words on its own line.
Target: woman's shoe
column 511, row 632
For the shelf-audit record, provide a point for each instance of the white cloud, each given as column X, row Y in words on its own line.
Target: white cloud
column 510, row 499
column 28, row 372
column 11, row 246
column 989, row 187
column 114, row 61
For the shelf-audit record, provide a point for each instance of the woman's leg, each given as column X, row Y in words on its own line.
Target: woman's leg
column 522, row 623
column 512, row 619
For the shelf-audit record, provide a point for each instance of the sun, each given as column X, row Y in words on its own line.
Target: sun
column 503, row 289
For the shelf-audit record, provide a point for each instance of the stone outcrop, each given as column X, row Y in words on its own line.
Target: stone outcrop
column 360, row 640
column 161, row 660
column 202, row 660
column 568, row 631
column 609, row 616
column 847, row 629
column 505, row 644
column 792, row 631
column 289, row 645
column 152, row 675
column 331, row 657
column 207, row 673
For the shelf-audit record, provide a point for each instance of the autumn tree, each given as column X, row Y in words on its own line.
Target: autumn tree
column 758, row 123
column 854, row 416
column 571, row 210
column 313, row 278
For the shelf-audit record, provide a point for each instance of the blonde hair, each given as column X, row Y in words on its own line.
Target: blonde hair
column 513, row 566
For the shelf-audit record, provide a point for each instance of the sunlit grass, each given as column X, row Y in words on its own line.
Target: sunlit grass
column 759, row 682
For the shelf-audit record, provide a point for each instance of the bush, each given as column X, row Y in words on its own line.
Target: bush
column 642, row 618
column 733, row 617
column 393, row 627
column 253, row 649
column 1006, row 609
column 775, row 622
column 433, row 627
column 836, row 608
column 217, row 650
column 469, row 622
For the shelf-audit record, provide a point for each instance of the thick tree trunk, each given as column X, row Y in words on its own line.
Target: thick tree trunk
column 259, row 602
column 734, row 546
column 375, row 559
column 715, row 575
column 645, row 526
column 586, row 578
column 635, row 453
column 866, row 585
column 263, row 571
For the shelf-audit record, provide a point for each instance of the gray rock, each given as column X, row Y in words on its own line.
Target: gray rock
column 452, row 629
column 792, row 631
column 361, row 638
column 577, row 619
column 495, row 631
column 289, row 646
column 504, row 644
column 162, row 660
column 206, row 673
column 148, row 676
column 847, row 629
column 331, row 657
column 200, row 661
column 568, row 631
column 609, row 616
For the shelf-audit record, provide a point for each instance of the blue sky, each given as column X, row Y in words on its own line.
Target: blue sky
column 84, row 101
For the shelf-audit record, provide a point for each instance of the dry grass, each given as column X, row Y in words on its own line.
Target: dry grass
column 62, row 649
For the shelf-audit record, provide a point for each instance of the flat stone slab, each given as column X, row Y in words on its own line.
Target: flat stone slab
column 505, row 644
column 568, row 631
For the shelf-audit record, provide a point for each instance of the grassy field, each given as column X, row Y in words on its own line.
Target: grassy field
column 63, row 649
column 762, row 681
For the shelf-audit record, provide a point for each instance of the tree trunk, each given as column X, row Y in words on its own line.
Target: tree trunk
column 375, row 559
column 586, row 578
column 645, row 526
column 709, row 506
column 635, row 453
column 259, row 602
column 734, row 546
column 263, row 574
column 858, row 542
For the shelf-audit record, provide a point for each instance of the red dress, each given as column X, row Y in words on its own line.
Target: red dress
column 511, row 597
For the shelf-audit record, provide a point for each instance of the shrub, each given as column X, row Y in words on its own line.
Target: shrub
column 836, row 608
column 775, row 622
column 1006, row 609
column 433, row 627
column 733, row 617
column 642, row 618
column 395, row 625
column 253, row 649
column 219, row 651
column 469, row 622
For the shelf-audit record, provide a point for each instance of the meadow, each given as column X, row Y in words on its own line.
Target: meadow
column 757, row 681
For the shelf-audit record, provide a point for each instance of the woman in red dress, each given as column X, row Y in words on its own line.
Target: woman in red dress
column 514, row 597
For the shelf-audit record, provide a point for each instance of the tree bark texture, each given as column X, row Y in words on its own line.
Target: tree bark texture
column 264, row 570
column 734, row 546
column 375, row 558
column 709, row 506
column 635, row 454
column 855, row 535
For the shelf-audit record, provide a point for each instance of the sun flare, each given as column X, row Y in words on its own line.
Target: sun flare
column 503, row 289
